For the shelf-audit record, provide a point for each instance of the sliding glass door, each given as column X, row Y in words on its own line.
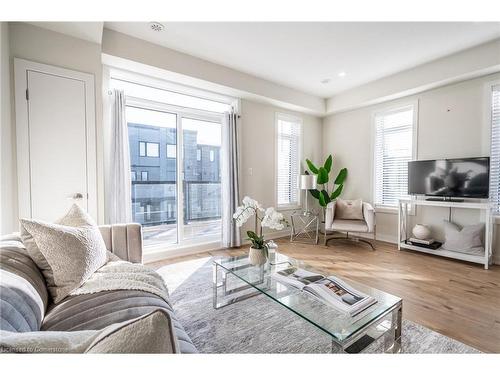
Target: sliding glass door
column 153, row 166
column 201, row 140
column 175, row 173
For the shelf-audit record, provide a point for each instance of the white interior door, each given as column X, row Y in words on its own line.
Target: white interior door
column 56, row 140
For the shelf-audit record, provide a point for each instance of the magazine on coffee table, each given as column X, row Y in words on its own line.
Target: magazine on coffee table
column 329, row 289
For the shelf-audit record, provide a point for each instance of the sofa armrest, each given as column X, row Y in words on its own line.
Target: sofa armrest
column 369, row 215
column 329, row 215
column 124, row 240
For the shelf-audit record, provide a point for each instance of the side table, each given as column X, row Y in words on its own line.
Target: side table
column 305, row 227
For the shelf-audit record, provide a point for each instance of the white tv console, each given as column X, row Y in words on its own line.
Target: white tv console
column 405, row 204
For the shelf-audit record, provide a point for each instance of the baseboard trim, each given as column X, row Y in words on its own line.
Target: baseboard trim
column 379, row 237
column 159, row 255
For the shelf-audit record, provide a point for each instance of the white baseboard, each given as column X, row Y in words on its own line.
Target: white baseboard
column 271, row 236
column 162, row 254
column 380, row 237
column 496, row 259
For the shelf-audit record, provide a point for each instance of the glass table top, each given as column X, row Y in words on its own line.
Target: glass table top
column 340, row 325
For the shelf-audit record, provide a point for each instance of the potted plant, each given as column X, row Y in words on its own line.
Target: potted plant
column 325, row 195
column 269, row 218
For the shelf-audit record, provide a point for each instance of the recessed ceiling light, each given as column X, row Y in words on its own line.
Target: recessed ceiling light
column 156, row 26
column 342, row 74
column 325, row 81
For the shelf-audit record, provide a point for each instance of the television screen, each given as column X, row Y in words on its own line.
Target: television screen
column 467, row 178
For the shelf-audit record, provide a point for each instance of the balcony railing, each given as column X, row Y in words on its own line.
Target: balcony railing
column 155, row 202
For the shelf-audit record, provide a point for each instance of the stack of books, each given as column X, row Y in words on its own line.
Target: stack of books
column 429, row 244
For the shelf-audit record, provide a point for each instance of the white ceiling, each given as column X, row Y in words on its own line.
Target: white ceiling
column 91, row 31
column 301, row 54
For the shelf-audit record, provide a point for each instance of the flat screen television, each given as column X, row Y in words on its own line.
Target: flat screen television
column 450, row 178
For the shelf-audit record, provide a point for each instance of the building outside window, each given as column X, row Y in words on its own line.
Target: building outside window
column 149, row 149
column 171, row 151
column 394, row 147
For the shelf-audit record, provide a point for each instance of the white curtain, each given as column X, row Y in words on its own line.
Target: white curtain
column 119, row 191
column 230, row 180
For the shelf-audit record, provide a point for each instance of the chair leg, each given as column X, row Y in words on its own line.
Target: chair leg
column 367, row 242
column 357, row 239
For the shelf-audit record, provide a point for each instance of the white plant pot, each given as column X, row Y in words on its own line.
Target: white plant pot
column 257, row 257
column 421, row 231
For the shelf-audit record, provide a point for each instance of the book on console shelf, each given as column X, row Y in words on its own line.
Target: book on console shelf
column 331, row 290
column 428, row 244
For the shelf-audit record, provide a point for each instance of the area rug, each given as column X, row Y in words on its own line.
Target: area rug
column 259, row 325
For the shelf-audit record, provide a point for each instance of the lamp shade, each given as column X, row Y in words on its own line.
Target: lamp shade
column 307, row 182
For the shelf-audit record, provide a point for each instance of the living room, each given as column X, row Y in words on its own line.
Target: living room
column 210, row 185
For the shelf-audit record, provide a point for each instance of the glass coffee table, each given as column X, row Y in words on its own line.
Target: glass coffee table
column 235, row 279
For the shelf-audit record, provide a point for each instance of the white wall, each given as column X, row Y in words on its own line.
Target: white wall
column 451, row 124
column 470, row 63
column 190, row 70
column 47, row 47
column 8, row 202
column 257, row 135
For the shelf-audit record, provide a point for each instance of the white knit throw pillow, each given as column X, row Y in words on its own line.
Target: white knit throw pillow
column 67, row 252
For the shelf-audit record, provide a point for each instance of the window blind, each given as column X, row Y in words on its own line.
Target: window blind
column 495, row 149
column 288, row 160
column 393, row 151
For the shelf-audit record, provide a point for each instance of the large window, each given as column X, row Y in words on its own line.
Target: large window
column 176, row 196
column 288, row 141
column 394, row 147
column 495, row 149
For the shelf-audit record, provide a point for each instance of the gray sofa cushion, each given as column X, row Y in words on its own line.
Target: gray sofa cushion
column 99, row 310
column 23, row 293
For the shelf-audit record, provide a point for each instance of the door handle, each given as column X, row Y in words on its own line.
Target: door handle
column 77, row 196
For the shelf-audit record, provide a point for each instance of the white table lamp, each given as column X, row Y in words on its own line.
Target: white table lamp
column 307, row 182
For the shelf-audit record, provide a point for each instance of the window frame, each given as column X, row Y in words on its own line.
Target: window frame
column 188, row 113
column 299, row 120
column 387, row 110
column 142, row 176
column 488, row 107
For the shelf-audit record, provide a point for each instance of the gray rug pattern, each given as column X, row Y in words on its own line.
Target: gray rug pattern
column 259, row 325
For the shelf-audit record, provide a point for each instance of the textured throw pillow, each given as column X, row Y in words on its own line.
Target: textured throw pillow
column 349, row 209
column 150, row 333
column 67, row 252
column 463, row 239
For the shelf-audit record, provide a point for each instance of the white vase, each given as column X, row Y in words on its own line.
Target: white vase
column 257, row 257
column 421, row 231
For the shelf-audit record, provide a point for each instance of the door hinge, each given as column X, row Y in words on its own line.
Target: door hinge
column 27, row 95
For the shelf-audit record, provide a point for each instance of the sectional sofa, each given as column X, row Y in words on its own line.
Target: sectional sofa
column 25, row 304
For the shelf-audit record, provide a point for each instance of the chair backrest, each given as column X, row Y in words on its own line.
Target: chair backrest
column 124, row 240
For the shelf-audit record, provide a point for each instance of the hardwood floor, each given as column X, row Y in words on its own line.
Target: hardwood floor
column 458, row 299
